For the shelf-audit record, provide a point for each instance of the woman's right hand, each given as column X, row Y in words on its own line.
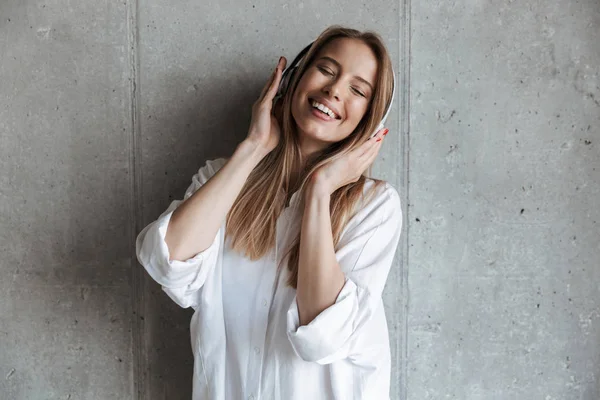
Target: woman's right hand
column 264, row 131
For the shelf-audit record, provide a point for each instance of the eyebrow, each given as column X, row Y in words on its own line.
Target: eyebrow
column 340, row 67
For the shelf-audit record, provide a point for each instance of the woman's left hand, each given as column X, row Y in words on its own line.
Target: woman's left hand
column 350, row 167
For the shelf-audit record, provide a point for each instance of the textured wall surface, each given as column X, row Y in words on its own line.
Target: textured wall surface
column 108, row 108
column 504, row 233
column 65, row 201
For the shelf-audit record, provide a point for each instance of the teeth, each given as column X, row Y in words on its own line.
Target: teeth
column 321, row 107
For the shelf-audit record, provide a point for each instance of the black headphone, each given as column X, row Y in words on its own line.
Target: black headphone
column 293, row 67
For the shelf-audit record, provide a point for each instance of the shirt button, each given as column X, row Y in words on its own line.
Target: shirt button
column 256, row 350
column 251, row 397
column 264, row 302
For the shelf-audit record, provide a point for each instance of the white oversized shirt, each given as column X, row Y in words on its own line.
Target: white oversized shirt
column 245, row 332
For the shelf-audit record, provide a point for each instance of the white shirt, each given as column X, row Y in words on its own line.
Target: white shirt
column 245, row 332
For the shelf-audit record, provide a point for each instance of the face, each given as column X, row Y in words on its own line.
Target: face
column 334, row 93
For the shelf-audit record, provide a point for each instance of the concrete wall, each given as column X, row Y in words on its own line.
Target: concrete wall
column 107, row 109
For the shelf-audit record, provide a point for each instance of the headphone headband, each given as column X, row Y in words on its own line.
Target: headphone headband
column 291, row 69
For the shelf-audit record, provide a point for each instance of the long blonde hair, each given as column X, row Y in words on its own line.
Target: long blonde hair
column 252, row 220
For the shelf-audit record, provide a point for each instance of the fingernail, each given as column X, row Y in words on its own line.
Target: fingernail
column 385, row 132
column 378, row 140
column 280, row 58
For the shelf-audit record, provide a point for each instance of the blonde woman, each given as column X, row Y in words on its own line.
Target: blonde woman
column 283, row 249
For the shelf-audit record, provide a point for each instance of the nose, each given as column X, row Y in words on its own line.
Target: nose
column 332, row 89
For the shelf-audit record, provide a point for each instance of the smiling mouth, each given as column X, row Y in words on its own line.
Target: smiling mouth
column 323, row 109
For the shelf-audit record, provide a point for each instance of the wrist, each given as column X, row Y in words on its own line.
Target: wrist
column 318, row 188
column 250, row 150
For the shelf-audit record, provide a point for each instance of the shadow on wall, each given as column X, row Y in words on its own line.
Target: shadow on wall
column 194, row 122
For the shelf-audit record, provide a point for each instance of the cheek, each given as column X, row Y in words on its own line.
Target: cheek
column 304, row 83
column 299, row 94
column 357, row 110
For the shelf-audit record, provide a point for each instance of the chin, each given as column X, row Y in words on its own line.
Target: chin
column 312, row 130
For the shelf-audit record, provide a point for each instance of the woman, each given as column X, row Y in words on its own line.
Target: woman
column 307, row 323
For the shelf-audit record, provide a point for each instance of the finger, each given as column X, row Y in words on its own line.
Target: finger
column 282, row 63
column 371, row 143
column 270, row 95
column 267, row 85
column 371, row 154
column 269, row 82
column 273, row 83
column 380, row 133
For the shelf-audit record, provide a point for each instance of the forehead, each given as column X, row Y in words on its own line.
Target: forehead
column 354, row 55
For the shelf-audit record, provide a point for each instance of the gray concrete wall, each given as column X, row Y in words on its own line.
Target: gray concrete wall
column 108, row 108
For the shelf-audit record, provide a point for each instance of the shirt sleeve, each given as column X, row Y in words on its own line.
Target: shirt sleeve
column 365, row 253
column 179, row 279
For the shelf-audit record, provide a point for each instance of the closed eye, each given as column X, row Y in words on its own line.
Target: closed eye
column 325, row 71
column 358, row 92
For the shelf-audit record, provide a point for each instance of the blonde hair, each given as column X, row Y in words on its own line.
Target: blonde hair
column 252, row 220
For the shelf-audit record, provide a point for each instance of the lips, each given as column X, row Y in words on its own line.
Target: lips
column 326, row 104
column 315, row 112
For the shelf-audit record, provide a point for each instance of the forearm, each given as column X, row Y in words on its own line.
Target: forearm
column 195, row 223
column 320, row 278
